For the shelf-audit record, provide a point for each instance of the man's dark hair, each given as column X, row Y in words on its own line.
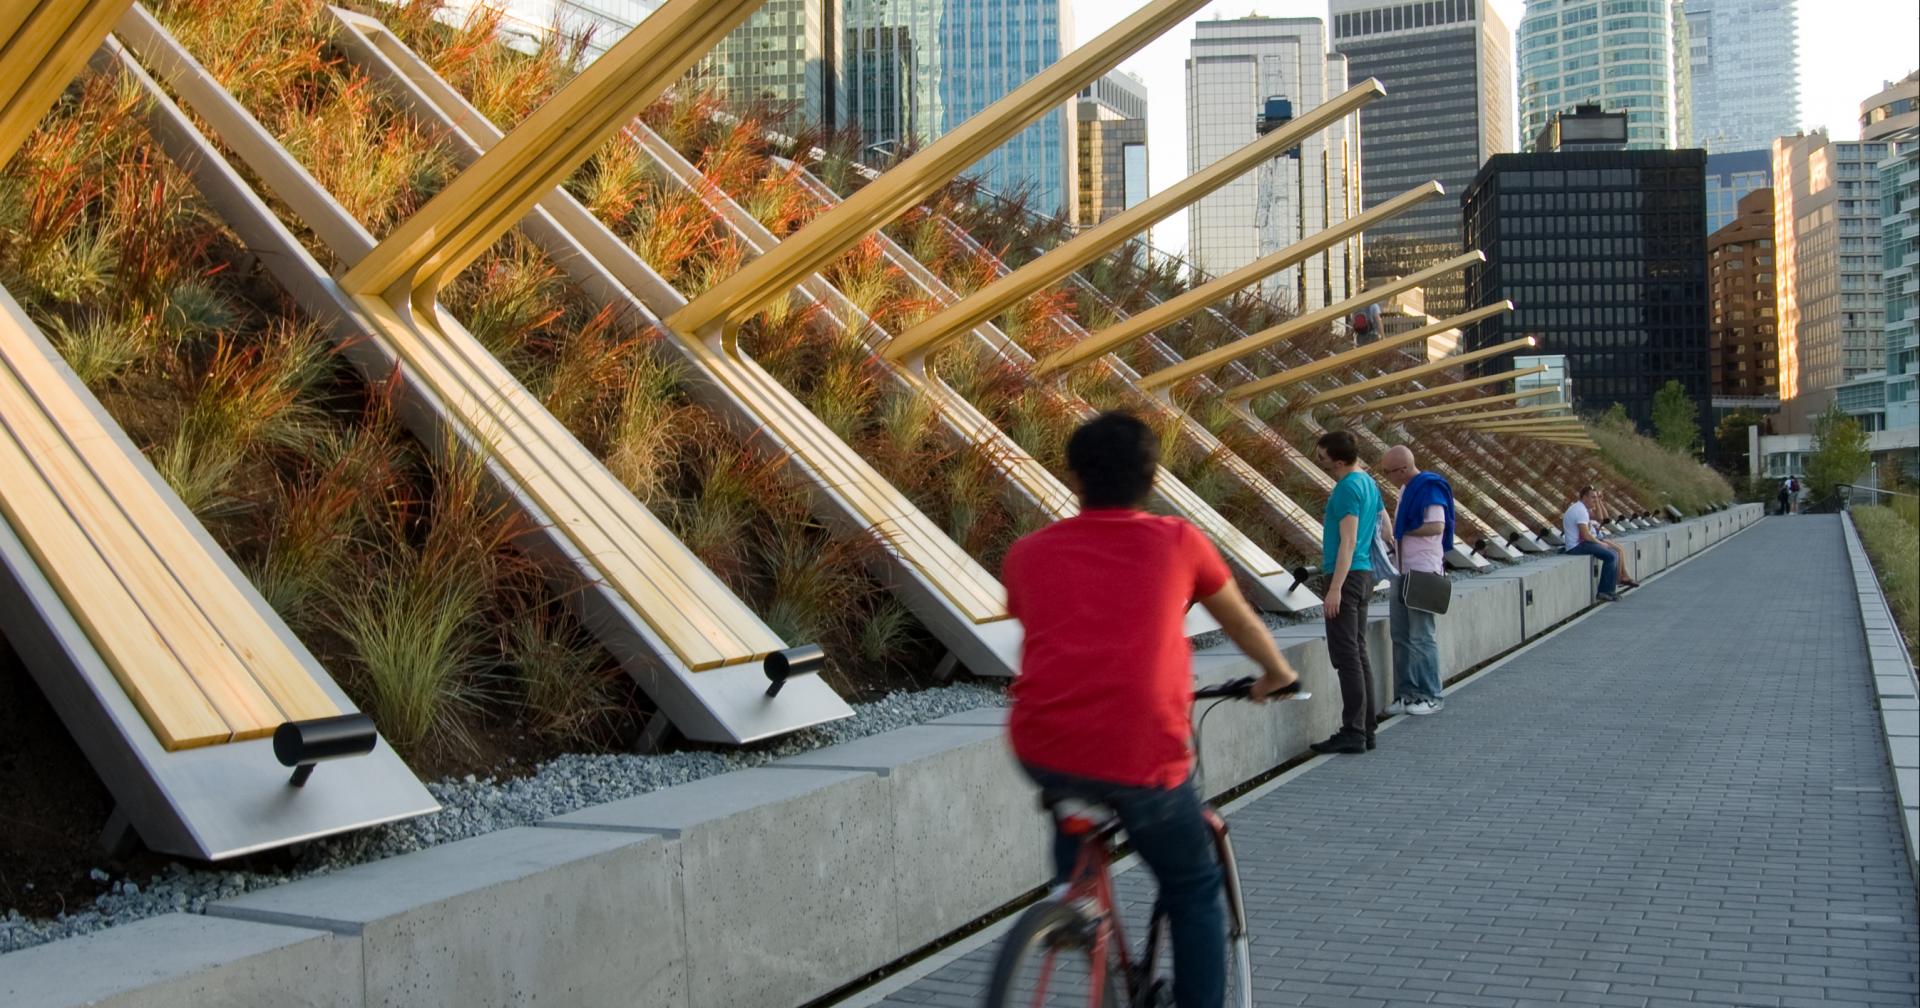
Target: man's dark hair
column 1339, row 446
column 1115, row 456
column 1585, row 490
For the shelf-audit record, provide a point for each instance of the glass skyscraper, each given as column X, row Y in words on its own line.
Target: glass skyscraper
column 915, row 69
column 1742, row 74
column 1604, row 253
column 1447, row 67
column 1618, row 54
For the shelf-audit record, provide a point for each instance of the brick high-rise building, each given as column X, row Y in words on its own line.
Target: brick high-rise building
column 1743, row 353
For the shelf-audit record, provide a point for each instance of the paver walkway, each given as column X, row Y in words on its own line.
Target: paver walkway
column 1683, row 800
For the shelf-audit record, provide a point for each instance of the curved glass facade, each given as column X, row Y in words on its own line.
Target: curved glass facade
column 1617, row 54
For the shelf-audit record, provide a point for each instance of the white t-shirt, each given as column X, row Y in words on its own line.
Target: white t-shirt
column 1570, row 525
column 1423, row 553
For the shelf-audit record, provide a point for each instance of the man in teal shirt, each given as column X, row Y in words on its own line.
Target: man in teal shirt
column 1346, row 560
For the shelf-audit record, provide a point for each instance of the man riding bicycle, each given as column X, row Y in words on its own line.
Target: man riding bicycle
column 1102, row 707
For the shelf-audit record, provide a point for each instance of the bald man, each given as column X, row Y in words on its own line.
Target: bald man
column 1422, row 534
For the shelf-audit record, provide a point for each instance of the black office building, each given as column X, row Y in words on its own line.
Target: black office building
column 1603, row 253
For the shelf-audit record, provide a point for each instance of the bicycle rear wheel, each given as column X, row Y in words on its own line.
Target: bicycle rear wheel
column 1046, row 961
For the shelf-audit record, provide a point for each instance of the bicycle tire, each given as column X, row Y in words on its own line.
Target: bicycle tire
column 1046, row 961
column 1157, row 984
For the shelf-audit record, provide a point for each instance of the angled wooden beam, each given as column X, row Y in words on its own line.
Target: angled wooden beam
column 43, row 46
column 989, row 301
column 1527, row 423
column 1346, row 358
column 823, row 239
column 1174, row 309
column 1470, row 404
column 1418, row 394
column 1516, row 411
column 1409, row 374
column 1202, row 363
column 484, row 202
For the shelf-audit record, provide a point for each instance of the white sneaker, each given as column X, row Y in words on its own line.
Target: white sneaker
column 1419, row 708
column 1398, row 706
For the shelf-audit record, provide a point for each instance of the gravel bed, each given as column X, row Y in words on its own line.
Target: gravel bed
column 473, row 805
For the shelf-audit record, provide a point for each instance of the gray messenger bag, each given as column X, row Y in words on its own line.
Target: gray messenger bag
column 1426, row 592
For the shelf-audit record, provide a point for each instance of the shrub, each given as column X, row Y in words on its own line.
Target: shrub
column 1665, row 475
column 1893, row 545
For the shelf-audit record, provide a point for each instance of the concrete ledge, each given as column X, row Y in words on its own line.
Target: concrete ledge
column 761, row 888
column 1483, row 620
column 506, row 918
column 787, row 873
column 1895, row 687
column 945, row 782
column 187, row 961
column 1553, row 590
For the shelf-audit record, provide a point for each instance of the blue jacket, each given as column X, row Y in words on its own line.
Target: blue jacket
column 1422, row 492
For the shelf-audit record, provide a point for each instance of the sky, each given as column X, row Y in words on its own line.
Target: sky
column 1840, row 64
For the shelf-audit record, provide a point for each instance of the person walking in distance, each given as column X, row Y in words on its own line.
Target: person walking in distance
column 1103, row 705
column 1422, row 535
column 1577, row 526
column 1353, row 512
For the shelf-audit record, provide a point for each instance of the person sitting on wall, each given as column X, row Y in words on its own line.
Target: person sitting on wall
column 1103, row 704
column 1577, row 526
column 1626, row 579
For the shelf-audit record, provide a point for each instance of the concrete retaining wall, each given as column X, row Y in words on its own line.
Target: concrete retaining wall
column 763, row 888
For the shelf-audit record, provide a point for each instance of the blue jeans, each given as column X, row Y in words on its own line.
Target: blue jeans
column 1416, row 650
column 1609, row 564
column 1170, row 834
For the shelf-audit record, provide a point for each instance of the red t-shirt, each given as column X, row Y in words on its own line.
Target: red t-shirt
column 1105, row 688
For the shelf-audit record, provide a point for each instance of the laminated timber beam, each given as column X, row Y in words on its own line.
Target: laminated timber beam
column 698, row 651
column 1467, row 404
column 1183, row 305
column 1056, row 264
column 1515, row 411
column 1385, row 402
column 1418, row 371
column 822, row 240
column 43, row 46
column 959, row 601
column 481, row 204
column 1352, row 358
column 1205, row 362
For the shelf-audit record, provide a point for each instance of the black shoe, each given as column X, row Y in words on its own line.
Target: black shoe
column 1342, row 741
column 1369, row 743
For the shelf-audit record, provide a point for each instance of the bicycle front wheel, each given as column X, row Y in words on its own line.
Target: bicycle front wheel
column 1159, row 967
column 1046, row 961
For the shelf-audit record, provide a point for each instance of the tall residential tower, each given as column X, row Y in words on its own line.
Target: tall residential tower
column 1448, row 70
column 1743, row 73
column 1618, row 54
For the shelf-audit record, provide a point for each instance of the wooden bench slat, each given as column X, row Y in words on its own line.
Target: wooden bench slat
column 257, row 652
column 134, row 651
column 705, row 628
column 242, row 704
column 971, row 588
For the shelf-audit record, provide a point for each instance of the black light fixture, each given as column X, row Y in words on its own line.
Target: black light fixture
column 807, row 659
column 301, row 744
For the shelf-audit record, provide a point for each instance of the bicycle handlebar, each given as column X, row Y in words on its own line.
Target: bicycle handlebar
column 1241, row 688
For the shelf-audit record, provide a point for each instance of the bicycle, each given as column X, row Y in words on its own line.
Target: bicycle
column 1070, row 948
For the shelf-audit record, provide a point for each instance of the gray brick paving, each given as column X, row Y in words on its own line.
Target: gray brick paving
column 1683, row 800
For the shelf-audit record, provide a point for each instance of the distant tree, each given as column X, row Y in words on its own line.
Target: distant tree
column 1676, row 420
column 1839, row 454
column 1730, row 439
column 1616, row 415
